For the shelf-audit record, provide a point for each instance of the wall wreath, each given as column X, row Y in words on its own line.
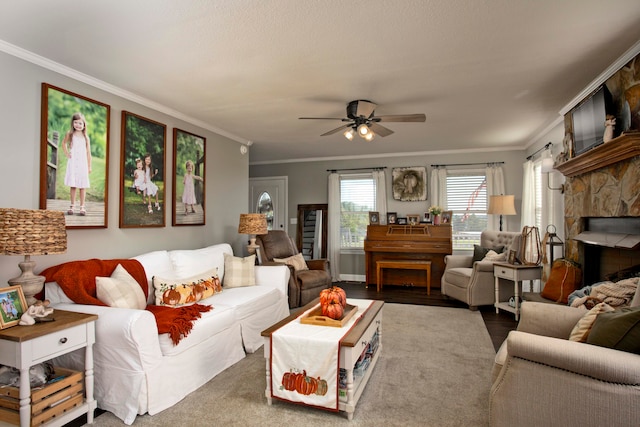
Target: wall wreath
column 409, row 184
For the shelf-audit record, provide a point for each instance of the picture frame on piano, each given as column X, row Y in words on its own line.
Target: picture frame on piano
column 401, row 220
column 427, row 218
column 374, row 218
column 392, row 217
column 413, row 219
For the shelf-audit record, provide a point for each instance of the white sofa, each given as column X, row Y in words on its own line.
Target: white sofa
column 138, row 371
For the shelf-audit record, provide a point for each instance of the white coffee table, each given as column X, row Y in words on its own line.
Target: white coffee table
column 367, row 330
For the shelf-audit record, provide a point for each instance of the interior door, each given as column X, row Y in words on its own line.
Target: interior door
column 269, row 196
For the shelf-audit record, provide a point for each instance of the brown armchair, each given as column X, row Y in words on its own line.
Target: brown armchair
column 304, row 285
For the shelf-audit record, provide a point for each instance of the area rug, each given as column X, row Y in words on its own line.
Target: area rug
column 434, row 370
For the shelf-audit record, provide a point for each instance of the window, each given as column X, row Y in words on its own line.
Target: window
column 357, row 198
column 467, row 199
column 537, row 178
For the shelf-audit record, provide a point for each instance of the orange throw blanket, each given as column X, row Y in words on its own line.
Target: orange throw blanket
column 78, row 280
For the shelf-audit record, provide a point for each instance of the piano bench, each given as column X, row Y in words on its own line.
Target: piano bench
column 403, row 265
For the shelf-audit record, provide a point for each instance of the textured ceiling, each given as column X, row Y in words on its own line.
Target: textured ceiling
column 488, row 74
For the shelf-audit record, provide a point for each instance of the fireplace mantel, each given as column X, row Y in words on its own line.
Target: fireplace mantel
column 621, row 148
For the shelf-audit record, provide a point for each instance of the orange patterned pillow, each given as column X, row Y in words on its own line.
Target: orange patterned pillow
column 179, row 292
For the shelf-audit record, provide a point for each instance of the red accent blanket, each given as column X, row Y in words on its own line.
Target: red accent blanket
column 78, row 280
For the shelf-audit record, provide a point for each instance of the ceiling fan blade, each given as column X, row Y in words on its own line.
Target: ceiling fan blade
column 379, row 129
column 365, row 109
column 322, row 118
column 401, row 118
column 331, row 132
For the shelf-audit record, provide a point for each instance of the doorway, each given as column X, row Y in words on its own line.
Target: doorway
column 268, row 195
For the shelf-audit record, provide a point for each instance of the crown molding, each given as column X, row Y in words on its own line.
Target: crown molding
column 48, row 64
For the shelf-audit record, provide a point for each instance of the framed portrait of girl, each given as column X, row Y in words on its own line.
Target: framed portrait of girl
column 74, row 157
column 188, row 178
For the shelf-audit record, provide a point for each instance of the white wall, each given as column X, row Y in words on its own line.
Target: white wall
column 226, row 175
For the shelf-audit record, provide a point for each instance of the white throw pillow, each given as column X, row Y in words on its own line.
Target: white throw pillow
column 239, row 272
column 494, row 256
column 296, row 261
column 120, row 290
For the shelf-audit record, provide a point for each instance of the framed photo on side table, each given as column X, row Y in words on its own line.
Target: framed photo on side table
column 446, row 217
column 12, row 306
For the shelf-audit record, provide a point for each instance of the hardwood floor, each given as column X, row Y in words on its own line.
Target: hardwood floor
column 498, row 325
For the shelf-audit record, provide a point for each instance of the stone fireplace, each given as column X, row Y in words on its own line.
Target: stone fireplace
column 602, row 185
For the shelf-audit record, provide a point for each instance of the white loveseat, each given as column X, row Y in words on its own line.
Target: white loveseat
column 138, row 371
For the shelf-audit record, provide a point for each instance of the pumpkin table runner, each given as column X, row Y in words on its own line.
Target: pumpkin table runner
column 305, row 360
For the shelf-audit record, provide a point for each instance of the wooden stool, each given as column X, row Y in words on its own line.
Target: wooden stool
column 403, row 265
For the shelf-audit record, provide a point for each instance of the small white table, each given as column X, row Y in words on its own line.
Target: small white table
column 516, row 273
column 24, row 346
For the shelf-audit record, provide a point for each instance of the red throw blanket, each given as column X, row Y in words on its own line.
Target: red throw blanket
column 78, row 280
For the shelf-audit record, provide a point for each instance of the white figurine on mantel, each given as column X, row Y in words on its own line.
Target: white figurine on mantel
column 609, row 126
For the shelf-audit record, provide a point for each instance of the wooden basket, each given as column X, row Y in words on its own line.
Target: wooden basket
column 47, row 402
column 315, row 317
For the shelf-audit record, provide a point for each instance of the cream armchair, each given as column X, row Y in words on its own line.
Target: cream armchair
column 540, row 378
column 472, row 282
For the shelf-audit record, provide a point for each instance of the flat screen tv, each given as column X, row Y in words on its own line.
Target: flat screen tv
column 588, row 121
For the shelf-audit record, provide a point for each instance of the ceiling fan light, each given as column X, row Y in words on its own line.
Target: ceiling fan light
column 363, row 129
column 349, row 134
column 369, row 136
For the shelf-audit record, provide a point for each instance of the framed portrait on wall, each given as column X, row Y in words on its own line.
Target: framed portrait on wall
column 188, row 178
column 142, row 172
column 74, row 157
column 409, row 184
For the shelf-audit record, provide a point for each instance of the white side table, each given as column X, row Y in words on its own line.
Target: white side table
column 24, row 346
column 516, row 273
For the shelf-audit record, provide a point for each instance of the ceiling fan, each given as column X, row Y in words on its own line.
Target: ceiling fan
column 361, row 119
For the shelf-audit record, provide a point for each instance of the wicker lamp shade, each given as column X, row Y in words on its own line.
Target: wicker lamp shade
column 252, row 223
column 31, row 232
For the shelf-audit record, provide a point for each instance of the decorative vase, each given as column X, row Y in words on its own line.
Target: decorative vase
column 436, row 220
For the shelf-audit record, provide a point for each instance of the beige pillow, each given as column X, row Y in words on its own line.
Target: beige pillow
column 296, row 261
column 581, row 331
column 178, row 292
column 238, row 271
column 494, row 256
column 120, row 290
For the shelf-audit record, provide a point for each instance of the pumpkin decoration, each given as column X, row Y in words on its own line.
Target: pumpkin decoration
column 333, row 293
column 306, row 385
column 289, row 381
column 333, row 310
column 322, row 387
column 171, row 296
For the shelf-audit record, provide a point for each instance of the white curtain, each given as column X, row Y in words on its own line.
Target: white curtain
column 333, row 230
column 438, row 187
column 495, row 187
column 528, row 211
column 381, row 193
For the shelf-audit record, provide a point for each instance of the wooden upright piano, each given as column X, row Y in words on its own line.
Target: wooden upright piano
column 407, row 242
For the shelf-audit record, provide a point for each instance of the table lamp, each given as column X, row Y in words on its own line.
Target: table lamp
column 31, row 232
column 501, row 205
column 252, row 224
